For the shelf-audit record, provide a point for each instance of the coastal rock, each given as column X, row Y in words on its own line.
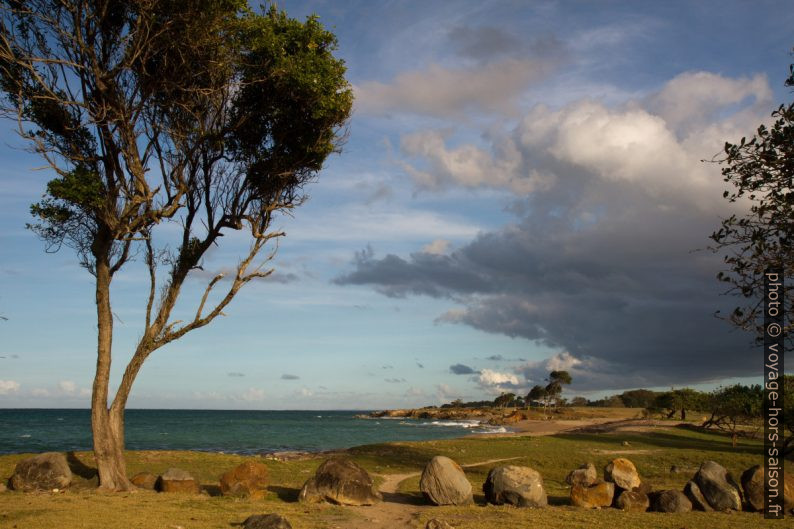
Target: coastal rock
column 436, row 523
column 42, row 472
column 633, row 501
column 753, row 487
column 644, row 487
column 692, row 492
column 670, row 501
column 718, row 487
column 144, row 480
column 248, row 480
column 585, row 475
column 266, row 521
column 177, row 480
column 339, row 480
column 595, row 496
column 622, row 473
column 443, row 482
column 515, row 485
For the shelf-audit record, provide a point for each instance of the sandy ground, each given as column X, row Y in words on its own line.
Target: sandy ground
column 399, row 510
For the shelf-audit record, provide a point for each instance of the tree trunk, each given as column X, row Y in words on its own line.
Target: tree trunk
column 107, row 427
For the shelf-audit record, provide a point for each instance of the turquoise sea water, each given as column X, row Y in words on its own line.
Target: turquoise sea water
column 245, row 432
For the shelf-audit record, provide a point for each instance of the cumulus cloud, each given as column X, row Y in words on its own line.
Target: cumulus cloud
column 437, row 247
column 253, row 395
column 8, row 387
column 67, row 386
column 461, row 369
column 601, row 262
column 287, row 376
column 40, row 392
column 494, row 382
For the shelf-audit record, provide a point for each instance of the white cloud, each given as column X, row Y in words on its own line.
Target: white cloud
column 444, row 92
column 40, row 392
column 437, row 247
column 68, row 387
column 8, row 386
column 253, row 395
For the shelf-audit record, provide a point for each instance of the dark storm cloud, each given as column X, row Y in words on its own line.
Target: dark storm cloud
column 461, row 369
column 603, row 261
column 287, row 376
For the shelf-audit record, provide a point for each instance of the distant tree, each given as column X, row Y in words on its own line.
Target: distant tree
column 638, row 398
column 536, row 394
column 679, row 401
column 554, row 387
column 168, row 124
column 457, row 403
column 734, row 408
column 519, row 401
column 761, row 173
column 579, row 401
column 504, row 400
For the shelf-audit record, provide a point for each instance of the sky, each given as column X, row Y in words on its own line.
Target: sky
column 523, row 189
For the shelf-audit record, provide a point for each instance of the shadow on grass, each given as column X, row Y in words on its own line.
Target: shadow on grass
column 286, row 494
column 79, row 468
column 395, row 455
column 404, row 498
column 212, row 490
column 559, row 500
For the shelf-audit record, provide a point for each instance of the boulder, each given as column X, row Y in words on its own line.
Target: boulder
column 692, row 492
column 788, row 493
column 144, row 480
column 585, row 475
column 670, row 501
column 622, row 473
column 443, row 482
column 266, row 521
column 644, row 487
column 718, row 487
column 753, row 487
column 177, row 480
column 435, row 523
column 3, row 487
column 633, row 501
column 339, row 480
column 515, row 485
column 42, row 472
column 597, row 495
column 247, row 480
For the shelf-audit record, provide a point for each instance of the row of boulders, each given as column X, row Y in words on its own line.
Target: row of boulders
column 712, row 488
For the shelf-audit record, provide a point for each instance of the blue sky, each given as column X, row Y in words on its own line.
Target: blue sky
column 522, row 190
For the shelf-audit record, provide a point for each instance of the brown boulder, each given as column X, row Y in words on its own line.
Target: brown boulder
column 42, row 472
column 515, row 485
column 248, row 480
column 598, row 495
column 622, row 473
column 633, row 501
column 266, row 521
column 436, row 523
column 585, row 475
column 339, row 480
column 753, row 487
column 144, row 480
column 670, row 501
column 443, row 482
column 177, row 480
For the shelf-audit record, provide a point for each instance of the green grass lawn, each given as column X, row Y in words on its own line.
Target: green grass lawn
column 653, row 453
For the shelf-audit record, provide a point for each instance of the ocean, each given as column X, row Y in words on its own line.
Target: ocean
column 242, row 432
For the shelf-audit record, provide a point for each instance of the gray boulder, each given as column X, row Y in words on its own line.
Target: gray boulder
column 515, row 485
column 670, row 501
column 177, row 480
column 341, row 481
column 692, row 492
column 443, row 482
column 42, row 472
column 585, row 475
column 718, row 487
column 266, row 521
column 144, row 480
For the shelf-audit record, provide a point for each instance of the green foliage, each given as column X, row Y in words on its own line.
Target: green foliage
column 638, row 398
column 761, row 173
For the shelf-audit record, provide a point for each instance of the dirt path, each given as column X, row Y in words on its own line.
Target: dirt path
column 399, row 510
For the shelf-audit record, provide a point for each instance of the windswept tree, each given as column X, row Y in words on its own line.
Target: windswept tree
column 536, row 394
column 554, row 387
column 760, row 171
column 200, row 117
column 736, row 410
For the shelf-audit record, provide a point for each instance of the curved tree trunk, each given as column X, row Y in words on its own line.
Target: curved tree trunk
column 107, row 425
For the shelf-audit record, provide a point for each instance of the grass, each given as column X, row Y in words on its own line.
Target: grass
column 653, row 452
